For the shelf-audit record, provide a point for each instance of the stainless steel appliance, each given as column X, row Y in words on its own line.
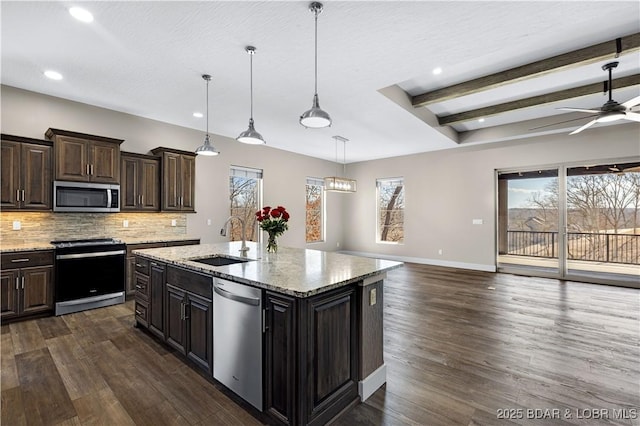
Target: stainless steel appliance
column 237, row 339
column 89, row 274
column 85, row 197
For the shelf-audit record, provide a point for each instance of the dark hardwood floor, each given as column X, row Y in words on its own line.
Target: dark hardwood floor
column 460, row 346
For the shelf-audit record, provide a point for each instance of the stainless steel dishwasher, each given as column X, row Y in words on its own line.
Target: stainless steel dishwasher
column 237, row 339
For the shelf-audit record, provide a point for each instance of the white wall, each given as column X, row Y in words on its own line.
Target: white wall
column 31, row 114
column 445, row 190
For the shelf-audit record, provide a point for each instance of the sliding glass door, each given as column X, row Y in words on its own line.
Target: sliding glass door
column 528, row 221
column 572, row 222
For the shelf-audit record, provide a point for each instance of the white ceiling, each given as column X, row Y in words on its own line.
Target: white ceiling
column 146, row 58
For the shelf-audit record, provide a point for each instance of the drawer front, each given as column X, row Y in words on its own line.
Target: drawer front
column 132, row 247
column 142, row 286
column 23, row 259
column 142, row 310
column 193, row 282
column 142, row 265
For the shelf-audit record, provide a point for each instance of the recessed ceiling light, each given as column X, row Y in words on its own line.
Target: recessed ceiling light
column 53, row 75
column 198, row 115
column 437, row 71
column 81, row 14
column 480, row 120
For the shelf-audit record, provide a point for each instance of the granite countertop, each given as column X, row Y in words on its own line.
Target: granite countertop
column 46, row 245
column 297, row 272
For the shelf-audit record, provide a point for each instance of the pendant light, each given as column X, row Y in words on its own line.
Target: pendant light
column 250, row 136
column 316, row 117
column 337, row 183
column 206, row 148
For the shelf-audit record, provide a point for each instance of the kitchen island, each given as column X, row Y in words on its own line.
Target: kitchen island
column 319, row 327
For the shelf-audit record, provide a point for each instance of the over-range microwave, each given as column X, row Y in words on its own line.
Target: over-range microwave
column 85, row 197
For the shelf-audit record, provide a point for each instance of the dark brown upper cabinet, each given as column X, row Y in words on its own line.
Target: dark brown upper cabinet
column 80, row 157
column 178, row 172
column 26, row 173
column 139, row 182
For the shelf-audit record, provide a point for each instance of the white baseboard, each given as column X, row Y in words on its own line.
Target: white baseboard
column 425, row 261
column 372, row 382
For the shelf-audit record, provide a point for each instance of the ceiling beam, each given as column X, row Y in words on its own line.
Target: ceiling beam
column 535, row 69
column 575, row 92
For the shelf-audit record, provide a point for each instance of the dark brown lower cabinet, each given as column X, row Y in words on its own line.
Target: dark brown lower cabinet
column 27, row 290
column 189, row 316
column 311, row 356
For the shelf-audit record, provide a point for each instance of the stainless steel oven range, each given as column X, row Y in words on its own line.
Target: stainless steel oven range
column 89, row 274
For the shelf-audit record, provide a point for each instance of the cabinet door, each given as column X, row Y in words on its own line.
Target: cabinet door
column 71, row 155
column 10, row 175
column 105, row 162
column 9, row 289
column 280, row 359
column 37, row 294
column 156, row 299
column 174, row 319
column 36, row 176
column 188, row 183
column 149, row 184
column 129, row 183
column 171, row 188
column 332, row 352
column 199, row 316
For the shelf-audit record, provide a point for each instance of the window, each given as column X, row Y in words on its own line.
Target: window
column 245, row 193
column 390, row 210
column 315, row 210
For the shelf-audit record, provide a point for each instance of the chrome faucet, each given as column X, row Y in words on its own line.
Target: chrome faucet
column 243, row 248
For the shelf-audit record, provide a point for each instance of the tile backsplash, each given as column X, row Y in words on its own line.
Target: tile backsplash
column 48, row 226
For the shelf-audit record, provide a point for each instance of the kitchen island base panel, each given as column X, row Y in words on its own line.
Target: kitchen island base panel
column 372, row 383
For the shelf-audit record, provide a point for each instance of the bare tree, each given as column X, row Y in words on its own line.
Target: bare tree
column 392, row 212
column 243, row 197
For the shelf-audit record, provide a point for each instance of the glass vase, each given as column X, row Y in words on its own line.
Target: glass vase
column 272, row 243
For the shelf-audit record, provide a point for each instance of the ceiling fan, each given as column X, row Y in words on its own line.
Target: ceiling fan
column 611, row 110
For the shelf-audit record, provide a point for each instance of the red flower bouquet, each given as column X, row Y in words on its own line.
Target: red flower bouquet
column 274, row 221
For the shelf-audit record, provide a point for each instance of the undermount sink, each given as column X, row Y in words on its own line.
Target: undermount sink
column 219, row 260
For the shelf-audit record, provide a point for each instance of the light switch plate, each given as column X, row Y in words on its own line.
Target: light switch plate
column 372, row 297
column 17, row 225
column 478, row 221
column 174, row 222
column 125, row 223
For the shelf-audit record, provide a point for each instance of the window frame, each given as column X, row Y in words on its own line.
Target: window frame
column 393, row 181
column 322, row 210
column 248, row 173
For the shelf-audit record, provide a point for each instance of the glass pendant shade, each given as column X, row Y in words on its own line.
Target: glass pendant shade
column 251, row 136
column 316, row 117
column 339, row 184
column 206, row 148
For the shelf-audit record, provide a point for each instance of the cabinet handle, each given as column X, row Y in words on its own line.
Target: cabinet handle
column 17, row 195
column 23, row 282
column 138, row 265
column 19, row 260
column 91, row 168
column 22, row 195
column 142, row 199
column 186, row 311
column 138, row 312
column 181, row 311
column 86, row 168
column 139, row 287
column 17, row 283
column 264, row 321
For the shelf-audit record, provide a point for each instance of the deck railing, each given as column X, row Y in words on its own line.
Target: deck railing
column 595, row 247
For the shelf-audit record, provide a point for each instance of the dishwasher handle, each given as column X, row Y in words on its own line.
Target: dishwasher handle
column 236, row 297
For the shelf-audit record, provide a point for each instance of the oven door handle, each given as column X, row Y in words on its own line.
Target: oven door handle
column 87, row 255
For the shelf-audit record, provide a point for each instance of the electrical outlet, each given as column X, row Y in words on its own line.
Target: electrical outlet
column 477, row 221
column 338, row 244
column 440, row 252
column 125, row 223
column 372, row 297
column 174, row 222
column 208, row 222
column 17, row 225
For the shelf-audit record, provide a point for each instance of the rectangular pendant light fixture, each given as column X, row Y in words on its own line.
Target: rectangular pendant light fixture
column 337, row 183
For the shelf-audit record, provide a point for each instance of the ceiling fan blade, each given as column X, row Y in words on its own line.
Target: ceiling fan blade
column 633, row 116
column 562, row 122
column 589, row 124
column 632, row 102
column 578, row 109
